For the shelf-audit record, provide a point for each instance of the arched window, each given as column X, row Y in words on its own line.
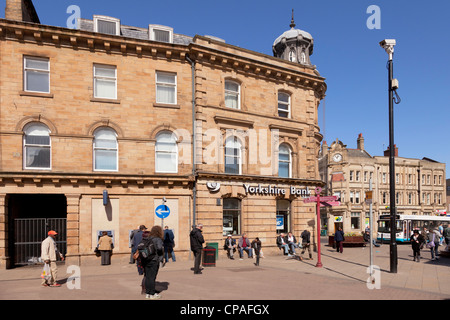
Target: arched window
column 37, row 147
column 233, row 155
column 232, row 94
column 166, row 153
column 284, row 161
column 284, row 105
column 105, row 150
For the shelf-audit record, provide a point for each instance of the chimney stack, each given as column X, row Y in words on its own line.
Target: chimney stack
column 360, row 142
column 387, row 152
column 21, row 10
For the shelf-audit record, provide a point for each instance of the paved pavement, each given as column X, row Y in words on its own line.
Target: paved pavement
column 342, row 277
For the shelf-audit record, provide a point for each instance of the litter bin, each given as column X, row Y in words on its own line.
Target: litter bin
column 214, row 245
column 209, row 256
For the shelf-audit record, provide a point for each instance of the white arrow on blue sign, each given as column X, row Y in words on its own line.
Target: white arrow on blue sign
column 162, row 211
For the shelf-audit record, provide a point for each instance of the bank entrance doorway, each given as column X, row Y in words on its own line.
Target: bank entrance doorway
column 30, row 219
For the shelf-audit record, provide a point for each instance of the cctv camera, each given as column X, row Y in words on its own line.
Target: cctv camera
column 388, row 43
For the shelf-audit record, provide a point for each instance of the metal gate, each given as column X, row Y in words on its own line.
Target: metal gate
column 29, row 234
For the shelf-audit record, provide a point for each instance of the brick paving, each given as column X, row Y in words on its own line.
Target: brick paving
column 342, row 277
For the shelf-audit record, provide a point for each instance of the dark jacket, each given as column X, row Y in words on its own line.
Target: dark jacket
column 415, row 244
column 339, row 236
column 168, row 238
column 159, row 247
column 137, row 238
column 196, row 238
column 233, row 243
column 256, row 244
column 306, row 237
column 279, row 243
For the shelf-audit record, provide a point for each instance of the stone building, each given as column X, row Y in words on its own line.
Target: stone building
column 420, row 185
column 103, row 124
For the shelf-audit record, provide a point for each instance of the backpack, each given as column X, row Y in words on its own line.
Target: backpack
column 146, row 249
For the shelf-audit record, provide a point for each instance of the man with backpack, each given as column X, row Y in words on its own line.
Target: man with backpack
column 151, row 254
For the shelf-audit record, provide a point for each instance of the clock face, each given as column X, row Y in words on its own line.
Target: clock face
column 337, row 157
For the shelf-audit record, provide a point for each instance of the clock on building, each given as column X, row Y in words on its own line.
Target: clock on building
column 337, row 157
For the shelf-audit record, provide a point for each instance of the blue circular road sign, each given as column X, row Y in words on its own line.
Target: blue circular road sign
column 162, row 211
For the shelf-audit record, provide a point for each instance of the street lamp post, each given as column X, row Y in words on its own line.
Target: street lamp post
column 388, row 45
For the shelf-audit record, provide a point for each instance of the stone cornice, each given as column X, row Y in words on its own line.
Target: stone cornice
column 94, row 179
column 85, row 40
column 226, row 56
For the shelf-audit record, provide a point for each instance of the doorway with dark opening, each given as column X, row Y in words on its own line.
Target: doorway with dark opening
column 31, row 216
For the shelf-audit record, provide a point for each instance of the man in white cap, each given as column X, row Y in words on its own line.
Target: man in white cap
column 49, row 251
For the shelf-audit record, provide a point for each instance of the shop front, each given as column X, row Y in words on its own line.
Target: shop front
column 259, row 207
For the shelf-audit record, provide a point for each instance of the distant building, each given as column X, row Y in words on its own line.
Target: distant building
column 419, row 189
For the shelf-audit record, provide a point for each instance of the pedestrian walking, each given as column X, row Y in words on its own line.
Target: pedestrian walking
column 196, row 239
column 137, row 238
column 153, row 245
column 105, row 246
column 49, row 253
column 130, row 244
column 339, row 239
column 306, row 242
column 169, row 243
column 446, row 235
column 432, row 239
column 256, row 246
column 417, row 241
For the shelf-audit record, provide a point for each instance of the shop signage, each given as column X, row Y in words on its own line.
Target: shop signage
column 275, row 191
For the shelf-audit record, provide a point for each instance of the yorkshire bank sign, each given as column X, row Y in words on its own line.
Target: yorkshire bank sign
column 271, row 190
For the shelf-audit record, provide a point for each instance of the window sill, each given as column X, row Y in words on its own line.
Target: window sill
column 36, row 94
column 103, row 100
column 165, row 105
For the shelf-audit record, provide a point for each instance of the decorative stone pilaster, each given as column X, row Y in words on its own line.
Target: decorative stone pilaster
column 4, row 257
column 73, row 229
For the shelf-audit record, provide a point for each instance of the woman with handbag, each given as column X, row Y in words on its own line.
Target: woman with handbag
column 105, row 246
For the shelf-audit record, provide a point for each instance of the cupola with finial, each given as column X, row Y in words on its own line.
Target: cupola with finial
column 294, row 45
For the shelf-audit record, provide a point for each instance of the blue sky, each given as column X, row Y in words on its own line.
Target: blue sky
column 346, row 53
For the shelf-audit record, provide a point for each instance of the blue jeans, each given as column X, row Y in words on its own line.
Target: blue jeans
column 248, row 249
column 286, row 248
column 434, row 251
column 168, row 249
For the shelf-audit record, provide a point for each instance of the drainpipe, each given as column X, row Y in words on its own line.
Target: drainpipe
column 194, row 136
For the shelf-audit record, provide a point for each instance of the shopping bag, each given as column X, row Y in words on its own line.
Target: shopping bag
column 46, row 272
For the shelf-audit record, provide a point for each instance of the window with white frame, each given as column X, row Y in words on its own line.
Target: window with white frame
column 160, row 33
column 233, row 163
column 356, row 220
column 284, row 161
column 166, row 153
column 284, row 105
column 105, row 150
column 105, row 81
column 166, row 88
column 36, row 74
column 232, row 94
column 107, row 25
column 37, row 147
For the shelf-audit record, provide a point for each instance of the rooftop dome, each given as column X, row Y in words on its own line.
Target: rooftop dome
column 294, row 45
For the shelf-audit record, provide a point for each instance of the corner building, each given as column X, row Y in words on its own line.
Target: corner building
column 103, row 124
